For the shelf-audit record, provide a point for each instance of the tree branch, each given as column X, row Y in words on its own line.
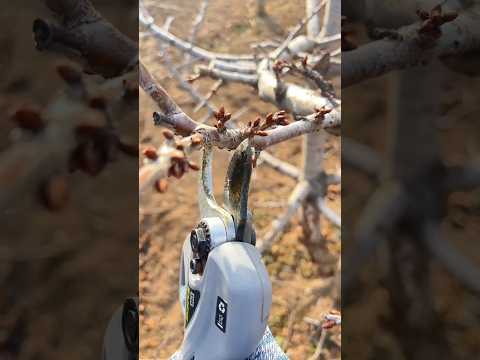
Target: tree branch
column 457, row 264
column 280, row 166
column 87, row 37
column 173, row 117
column 386, row 206
column 379, row 57
column 185, row 46
column 464, row 178
column 329, row 214
column 278, row 226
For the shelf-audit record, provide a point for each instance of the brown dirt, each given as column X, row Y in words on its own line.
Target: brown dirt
column 166, row 219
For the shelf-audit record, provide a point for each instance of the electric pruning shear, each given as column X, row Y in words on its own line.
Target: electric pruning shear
column 225, row 290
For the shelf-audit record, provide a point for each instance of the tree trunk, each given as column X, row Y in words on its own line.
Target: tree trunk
column 413, row 159
column 313, row 144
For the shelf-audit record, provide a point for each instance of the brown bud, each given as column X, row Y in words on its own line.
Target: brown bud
column 177, row 155
column 54, row 193
column 269, row 118
column 184, row 166
column 89, row 158
column 220, row 113
column 150, row 153
column 167, row 134
column 320, row 113
column 304, row 61
column 328, row 324
column 176, row 170
column 196, row 140
column 29, row 119
column 70, row 74
column 161, row 186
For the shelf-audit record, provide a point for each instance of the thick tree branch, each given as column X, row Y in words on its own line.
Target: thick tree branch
column 231, row 138
column 223, row 137
column 379, row 57
column 87, row 37
column 173, row 117
column 293, row 98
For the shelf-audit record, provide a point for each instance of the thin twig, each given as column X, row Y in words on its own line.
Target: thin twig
column 278, row 52
column 462, row 268
column 197, row 23
column 279, row 225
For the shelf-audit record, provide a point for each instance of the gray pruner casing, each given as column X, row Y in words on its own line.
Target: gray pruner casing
column 235, row 294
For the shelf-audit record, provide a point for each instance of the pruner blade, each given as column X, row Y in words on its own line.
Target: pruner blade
column 206, row 200
column 235, row 213
column 236, row 189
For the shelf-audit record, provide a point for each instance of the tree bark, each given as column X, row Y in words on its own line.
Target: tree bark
column 413, row 158
column 313, row 144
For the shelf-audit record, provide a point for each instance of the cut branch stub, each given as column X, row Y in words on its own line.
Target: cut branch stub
column 84, row 35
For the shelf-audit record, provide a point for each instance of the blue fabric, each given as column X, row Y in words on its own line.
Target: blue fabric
column 268, row 349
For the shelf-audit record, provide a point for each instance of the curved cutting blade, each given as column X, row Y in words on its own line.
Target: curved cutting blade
column 237, row 185
column 206, row 200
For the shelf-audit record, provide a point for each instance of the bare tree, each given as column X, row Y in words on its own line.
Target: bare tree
column 313, row 109
column 411, row 201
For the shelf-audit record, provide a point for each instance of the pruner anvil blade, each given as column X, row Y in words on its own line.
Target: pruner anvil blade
column 235, row 213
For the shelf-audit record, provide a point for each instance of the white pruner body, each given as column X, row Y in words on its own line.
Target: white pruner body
column 225, row 308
